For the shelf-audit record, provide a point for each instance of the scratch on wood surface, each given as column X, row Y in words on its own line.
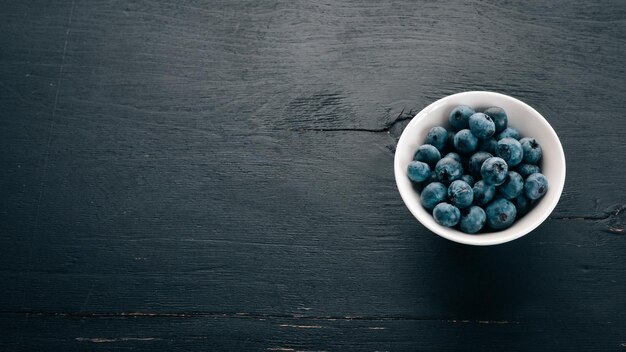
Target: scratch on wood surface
column 593, row 218
column 31, row 244
column 618, row 230
column 54, row 109
column 289, row 349
column 483, row 321
column 497, row 322
column 114, row 339
column 256, row 316
column 150, row 314
column 386, row 129
column 612, row 220
column 300, row 326
column 608, row 214
column 82, row 308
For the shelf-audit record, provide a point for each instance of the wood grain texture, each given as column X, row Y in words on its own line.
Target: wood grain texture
column 223, row 171
column 237, row 333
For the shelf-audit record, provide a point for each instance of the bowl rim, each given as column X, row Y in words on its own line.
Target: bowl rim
column 455, row 235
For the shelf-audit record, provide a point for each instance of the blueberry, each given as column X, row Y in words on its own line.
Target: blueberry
column 532, row 150
column 483, row 193
column 510, row 150
column 483, row 146
column 482, row 125
column 459, row 117
column 527, row 169
column 536, row 186
column 501, row 214
column 468, row 178
column 432, row 178
column 454, row 156
column 446, row 214
column 499, row 117
column 508, row 132
column 448, row 170
column 449, row 141
column 512, row 186
column 433, row 194
column 476, row 161
column 494, row 171
column 522, row 205
column 473, row 219
column 488, row 145
column 418, row 171
column 428, row 154
column 460, row 194
column 437, row 137
column 465, row 142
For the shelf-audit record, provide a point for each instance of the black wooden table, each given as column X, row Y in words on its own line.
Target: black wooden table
column 218, row 175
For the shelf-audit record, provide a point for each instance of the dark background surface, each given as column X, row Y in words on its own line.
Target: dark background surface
column 218, row 175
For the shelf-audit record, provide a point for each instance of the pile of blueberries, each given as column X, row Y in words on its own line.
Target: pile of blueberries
column 488, row 175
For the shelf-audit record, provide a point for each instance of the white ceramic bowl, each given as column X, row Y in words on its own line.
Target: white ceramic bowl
column 522, row 117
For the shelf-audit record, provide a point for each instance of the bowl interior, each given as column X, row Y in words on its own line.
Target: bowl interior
column 522, row 117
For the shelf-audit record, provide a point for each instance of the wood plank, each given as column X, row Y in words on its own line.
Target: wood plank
column 261, row 67
column 315, row 229
column 199, row 333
